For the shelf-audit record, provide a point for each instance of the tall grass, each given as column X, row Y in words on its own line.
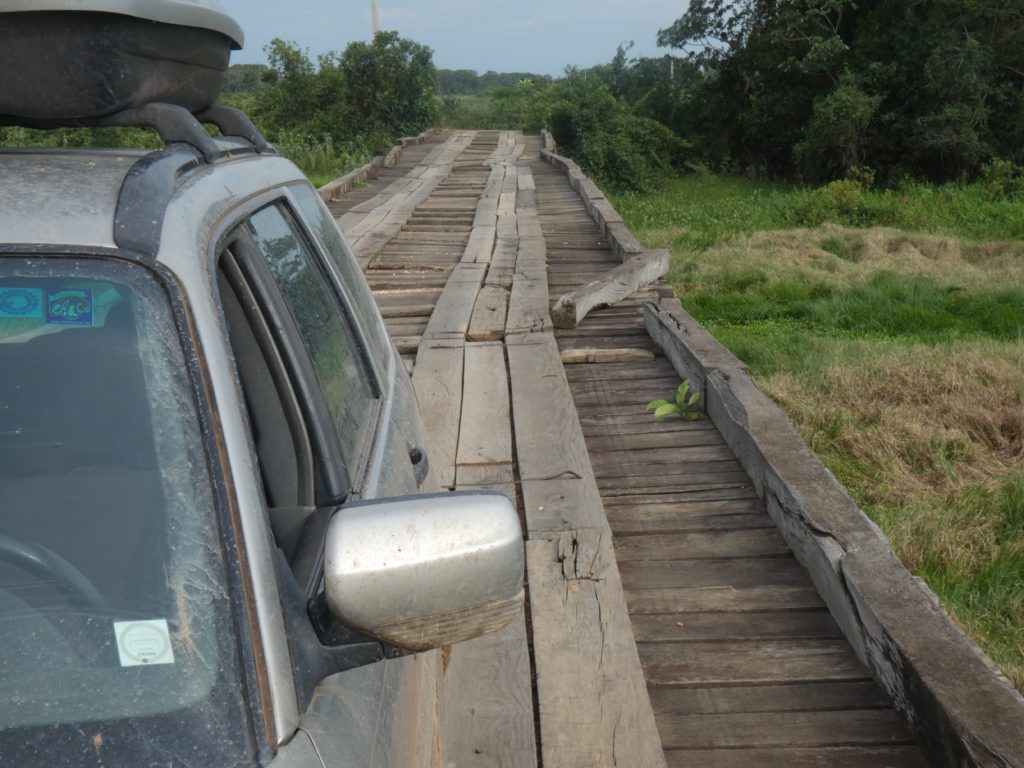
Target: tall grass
column 890, row 327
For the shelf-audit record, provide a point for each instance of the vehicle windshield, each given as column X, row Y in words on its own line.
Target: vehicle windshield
column 119, row 645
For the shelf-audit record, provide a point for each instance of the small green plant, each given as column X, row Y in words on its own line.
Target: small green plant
column 682, row 404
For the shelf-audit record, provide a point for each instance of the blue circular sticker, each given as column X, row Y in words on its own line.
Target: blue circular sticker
column 16, row 302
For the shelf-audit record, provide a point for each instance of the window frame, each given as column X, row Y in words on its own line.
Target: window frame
column 341, row 481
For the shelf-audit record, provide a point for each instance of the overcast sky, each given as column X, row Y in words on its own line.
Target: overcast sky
column 540, row 36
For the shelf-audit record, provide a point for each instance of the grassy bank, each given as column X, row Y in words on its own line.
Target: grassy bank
column 890, row 327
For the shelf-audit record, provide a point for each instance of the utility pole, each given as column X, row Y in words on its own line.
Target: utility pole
column 376, row 18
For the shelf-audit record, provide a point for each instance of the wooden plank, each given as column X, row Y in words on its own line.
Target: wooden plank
column 713, row 516
column 593, row 703
column 761, row 542
column 455, row 307
column 548, row 435
column 479, row 475
column 437, row 380
column 480, row 245
column 578, row 356
column 739, row 625
column 656, row 441
column 615, row 285
column 784, row 729
column 722, row 598
column 768, row 698
column 488, row 320
column 788, row 757
column 528, row 303
column 647, row 462
column 727, row 573
column 750, row 663
column 620, row 485
column 561, row 505
column 485, row 434
column 489, row 725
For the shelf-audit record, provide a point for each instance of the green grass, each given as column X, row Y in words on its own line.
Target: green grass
column 890, row 327
column 708, row 210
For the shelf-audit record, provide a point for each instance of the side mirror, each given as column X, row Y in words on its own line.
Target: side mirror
column 426, row 571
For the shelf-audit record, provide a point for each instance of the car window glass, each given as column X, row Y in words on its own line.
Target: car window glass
column 348, row 269
column 325, row 329
column 113, row 587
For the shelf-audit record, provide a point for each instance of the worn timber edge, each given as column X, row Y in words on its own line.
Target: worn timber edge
column 622, row 242
column 962, row 710
column 345, row 184
column 548, row 139
column 639, row 266
column 612, row 287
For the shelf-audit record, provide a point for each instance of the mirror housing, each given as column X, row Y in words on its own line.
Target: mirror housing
column 425, row 571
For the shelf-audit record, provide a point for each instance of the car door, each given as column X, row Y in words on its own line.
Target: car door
column 321, row 413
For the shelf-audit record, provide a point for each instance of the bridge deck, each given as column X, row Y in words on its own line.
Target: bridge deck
column 668, row 622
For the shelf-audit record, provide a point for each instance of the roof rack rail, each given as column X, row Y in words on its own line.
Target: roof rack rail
column 175, row 124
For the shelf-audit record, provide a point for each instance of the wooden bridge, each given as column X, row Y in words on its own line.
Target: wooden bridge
column 668, row 622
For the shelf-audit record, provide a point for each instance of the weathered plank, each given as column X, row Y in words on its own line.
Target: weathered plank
column 480, row 245
column 561, row 505
column 548, row 435
column 761, row 542
column 613, row 286
column 488, row 320
column 750, row 663
column 593, row 703
column 455, row 307
column 489, row 725
column 784, row 729
column 728, row 573
column 789, row 757
column 578, row 356
column 750, row 597
column 485, row 435
column 737, row 625
column 437, row 380
column 801, row 697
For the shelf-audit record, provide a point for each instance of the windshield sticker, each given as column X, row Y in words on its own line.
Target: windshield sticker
column 143, row 643
column 71, row 307
column 21, row 302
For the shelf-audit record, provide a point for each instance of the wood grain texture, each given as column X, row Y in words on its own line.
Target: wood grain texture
column 821, row 757
column 578, row 356
column 785, row 729
column 769, row 698
column 455, row 307
column 734, row 625
column 548, row 435
column 750, row 663
column 615, row 285
column 487, row 705
column 437, row 380
column 485, row 434
column 487, row 323
column 593, row 703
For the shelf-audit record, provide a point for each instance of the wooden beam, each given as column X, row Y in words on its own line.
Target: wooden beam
column 614, row 286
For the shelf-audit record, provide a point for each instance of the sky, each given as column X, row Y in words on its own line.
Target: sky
column 538, row 36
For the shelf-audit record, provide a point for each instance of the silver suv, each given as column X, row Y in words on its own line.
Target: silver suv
column 212, row 547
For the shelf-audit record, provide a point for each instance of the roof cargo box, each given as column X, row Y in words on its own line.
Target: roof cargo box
column 82, row 60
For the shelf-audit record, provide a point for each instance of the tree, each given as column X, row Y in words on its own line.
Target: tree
column 390, row 85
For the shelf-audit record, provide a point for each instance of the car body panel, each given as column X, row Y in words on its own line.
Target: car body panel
column 82, row 214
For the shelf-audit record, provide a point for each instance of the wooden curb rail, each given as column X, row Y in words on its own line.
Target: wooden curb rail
column 639, row 267
column 341, row 186
column 962, row 710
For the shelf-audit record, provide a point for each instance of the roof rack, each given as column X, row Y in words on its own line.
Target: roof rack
column 176, row 125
